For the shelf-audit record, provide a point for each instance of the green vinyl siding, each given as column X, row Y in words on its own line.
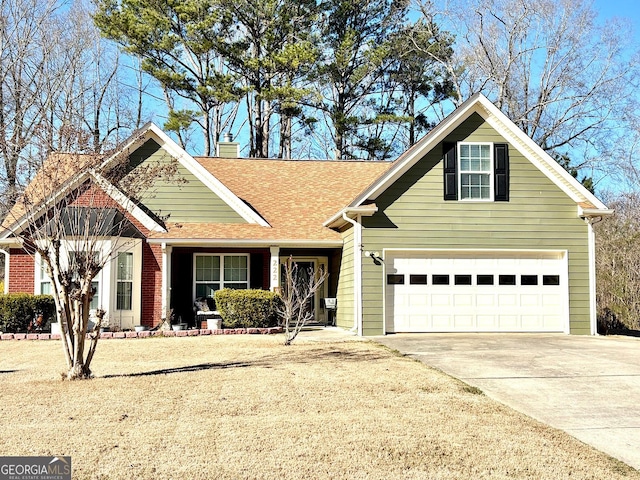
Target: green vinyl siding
column 185, row 198
column 413, row 214
column 345, row 293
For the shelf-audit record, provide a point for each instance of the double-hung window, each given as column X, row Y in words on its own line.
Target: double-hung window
column 124, row 281
column 476, row 171
column 45, row 281
column 215, row 272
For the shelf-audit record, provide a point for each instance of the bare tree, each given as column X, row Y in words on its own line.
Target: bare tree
column 61, row 87
column 27, row 87
column 618, row 265
column 564, row 78
column 298, row 292
column 74, row 218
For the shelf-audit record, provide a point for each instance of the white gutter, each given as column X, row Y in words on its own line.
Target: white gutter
column 594, row 212
column 364, row 210
column 357, row 273
column 267, row 243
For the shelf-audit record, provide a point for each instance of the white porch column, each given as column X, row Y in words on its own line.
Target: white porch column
column 274, row 269
column 166, row 276
column 7, row 259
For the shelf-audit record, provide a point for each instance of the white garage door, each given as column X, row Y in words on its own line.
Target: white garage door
column 506, row 292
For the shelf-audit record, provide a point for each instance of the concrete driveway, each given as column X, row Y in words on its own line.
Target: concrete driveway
column 586, row 386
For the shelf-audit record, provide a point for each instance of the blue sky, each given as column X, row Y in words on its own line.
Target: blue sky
column 620, row 8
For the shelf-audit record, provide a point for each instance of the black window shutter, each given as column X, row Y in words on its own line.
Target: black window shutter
column 450, row 164
column 501, row 171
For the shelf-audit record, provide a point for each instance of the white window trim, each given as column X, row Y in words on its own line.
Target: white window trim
column 491, row 173
column 41, row 277
column 118, row 281
column 222, row 257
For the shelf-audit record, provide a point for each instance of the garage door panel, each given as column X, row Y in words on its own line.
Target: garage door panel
column 484, row 300
column 532, row 322
column 507, row 322
column 441, row 300
column 463, row 300
column 463, row 322
column 503, row 294
column 487, row 322
column 529, row 300
column 507, row 300
column 441, row 323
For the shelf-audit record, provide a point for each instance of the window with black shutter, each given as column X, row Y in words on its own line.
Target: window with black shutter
column 450, row 171
column 467, row 171
column 501, row 172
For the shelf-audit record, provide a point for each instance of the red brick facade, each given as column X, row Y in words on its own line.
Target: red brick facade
column 94, row 196
column 22, row 265
column 21, row 271
column 151, row 284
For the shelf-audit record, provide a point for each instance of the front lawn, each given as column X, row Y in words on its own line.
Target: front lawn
column 248, row 407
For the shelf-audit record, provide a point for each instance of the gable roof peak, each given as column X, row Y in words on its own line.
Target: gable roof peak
column 481, row 105
column 151, row 131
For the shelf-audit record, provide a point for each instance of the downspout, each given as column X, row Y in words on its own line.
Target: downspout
column 357, row 274
column 593, row 320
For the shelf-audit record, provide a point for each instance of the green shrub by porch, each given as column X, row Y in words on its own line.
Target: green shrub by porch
column 18, row 309
column 248, row 308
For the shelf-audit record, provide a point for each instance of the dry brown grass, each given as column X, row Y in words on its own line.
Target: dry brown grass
column 248, row 407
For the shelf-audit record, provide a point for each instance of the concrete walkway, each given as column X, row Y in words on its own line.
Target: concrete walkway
column 586, row 386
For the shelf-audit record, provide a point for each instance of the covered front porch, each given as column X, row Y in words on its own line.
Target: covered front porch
column 192, row 271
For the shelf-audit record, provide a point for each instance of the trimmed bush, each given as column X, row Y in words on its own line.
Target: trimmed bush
column 18, row 309
column 248, row 308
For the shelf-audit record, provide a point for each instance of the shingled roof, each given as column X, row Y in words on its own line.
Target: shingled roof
column 285, row 200
column 294, row 196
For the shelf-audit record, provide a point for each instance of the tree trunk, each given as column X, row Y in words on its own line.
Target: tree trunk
column 285, row 136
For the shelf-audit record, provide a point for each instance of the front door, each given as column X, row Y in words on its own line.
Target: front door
column 307, row 269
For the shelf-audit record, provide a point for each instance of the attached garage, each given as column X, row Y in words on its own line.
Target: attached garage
column 490, row 291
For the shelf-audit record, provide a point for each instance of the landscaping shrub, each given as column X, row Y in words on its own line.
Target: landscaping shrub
column 248, row 308
column 18, row 309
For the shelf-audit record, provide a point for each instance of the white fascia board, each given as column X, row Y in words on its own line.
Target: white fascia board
column 19, row 223
column 417, row 151
column 478, row 103
column 232, row 242
column 541, row 159
column 151, row 130
column 215, row 185
column 12, row 242
column 126, row 203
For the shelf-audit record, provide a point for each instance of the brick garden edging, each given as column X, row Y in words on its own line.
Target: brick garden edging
column 150, row 333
